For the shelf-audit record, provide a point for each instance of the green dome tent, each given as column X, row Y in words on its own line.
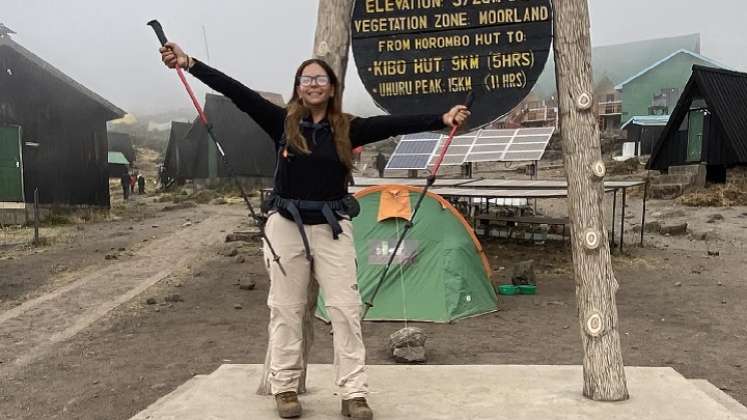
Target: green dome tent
column 441, row 272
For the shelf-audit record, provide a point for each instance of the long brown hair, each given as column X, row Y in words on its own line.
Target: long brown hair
column 339, row 122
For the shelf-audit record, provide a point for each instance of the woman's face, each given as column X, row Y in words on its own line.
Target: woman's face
column 314, row 87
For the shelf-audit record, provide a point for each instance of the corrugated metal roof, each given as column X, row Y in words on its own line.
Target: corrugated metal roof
column 725, row 94
column 6, row 41
column 117, row 158
column 664, row 60
column 647, row 121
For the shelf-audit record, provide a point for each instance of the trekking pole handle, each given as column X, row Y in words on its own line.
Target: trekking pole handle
column 156, row 25
column 470, row 98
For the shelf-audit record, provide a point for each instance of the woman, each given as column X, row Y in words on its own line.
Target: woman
column 310, row 211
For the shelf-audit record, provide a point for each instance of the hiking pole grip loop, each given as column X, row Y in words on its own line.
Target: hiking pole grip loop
column 159, row 31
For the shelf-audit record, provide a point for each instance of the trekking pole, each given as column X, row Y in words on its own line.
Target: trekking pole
column 430, row 180
column 231, row 174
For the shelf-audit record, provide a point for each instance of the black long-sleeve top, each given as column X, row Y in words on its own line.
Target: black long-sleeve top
column 320, row 175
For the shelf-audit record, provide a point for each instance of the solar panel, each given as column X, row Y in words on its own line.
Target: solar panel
column 414, row 151
column 522, row 144
column 418, row 151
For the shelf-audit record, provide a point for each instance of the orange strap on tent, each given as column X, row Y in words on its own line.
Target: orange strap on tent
column 394, row 202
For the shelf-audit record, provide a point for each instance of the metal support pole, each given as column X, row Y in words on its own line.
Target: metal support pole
column 643, row 212
column 622, row 221
column 36, row 216
column 614, row 209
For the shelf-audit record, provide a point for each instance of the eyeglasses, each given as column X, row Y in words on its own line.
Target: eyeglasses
column 320, row 80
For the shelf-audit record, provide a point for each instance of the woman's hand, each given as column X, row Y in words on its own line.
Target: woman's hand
column 456, row 116
column 172, row 55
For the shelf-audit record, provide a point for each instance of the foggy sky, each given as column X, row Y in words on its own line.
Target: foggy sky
column 106, row 46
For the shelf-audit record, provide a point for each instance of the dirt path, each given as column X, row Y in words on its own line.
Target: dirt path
column 678, row 305
column 30, row 330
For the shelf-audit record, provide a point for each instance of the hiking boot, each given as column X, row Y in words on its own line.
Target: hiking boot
column 288, row 405
column 357, row 408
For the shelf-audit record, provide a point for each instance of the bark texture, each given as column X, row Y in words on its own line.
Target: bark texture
column 596, row 286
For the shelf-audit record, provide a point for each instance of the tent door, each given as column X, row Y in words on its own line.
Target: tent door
column 11, row 165
column 695, row 136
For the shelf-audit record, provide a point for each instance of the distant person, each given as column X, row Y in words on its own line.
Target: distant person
column 133, row 181
column 380, row 163
column 140, row 184
column 124, row 179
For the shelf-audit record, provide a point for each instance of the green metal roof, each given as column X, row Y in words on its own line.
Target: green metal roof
column 622, row 61
column 117, row 158
column 664, row 60
column 648, row 121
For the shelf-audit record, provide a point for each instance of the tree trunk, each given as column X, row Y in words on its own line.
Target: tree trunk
column 332, row 39
column 596, row 286
column 331, row 44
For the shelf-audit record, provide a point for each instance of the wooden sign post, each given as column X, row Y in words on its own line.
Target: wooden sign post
column 596, row 286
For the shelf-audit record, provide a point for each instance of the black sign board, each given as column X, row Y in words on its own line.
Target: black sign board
column 424, row 56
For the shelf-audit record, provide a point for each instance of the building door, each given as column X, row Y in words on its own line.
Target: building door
column 695, row 136
column 11, row 165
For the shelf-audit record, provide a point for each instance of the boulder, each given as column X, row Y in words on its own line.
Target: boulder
column 674, row 229
column 408, row 345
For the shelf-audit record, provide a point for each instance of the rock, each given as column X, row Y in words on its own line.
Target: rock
column 523, row 273
column 246, row 236
column 653, row 227
column 408, row 345
column 240, row 259
column 130, row 228
column 229, row 251
column 187, row 224
column 674, row 229
column 122, row 249
column 58, row 268
column 248, row 285
column 678, row 284
column 715, row 218
column 155, row 226
column 111, row 257
column 151, row 301
column 173, row 298
column 237, row 306
column 409, row 355
column 703, row 235
column 157, row 310
column 713, row 253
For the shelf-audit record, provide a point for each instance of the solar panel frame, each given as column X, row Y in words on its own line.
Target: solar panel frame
column 421, row 150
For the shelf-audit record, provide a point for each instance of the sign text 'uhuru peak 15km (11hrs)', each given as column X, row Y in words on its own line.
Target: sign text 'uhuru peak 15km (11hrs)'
column 423, row 56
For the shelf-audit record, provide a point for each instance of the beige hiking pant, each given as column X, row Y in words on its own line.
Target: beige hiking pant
column 335, row 269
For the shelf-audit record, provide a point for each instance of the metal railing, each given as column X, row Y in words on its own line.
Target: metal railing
column 610, row 108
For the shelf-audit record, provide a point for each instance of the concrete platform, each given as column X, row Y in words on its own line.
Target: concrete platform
column 453, row 392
